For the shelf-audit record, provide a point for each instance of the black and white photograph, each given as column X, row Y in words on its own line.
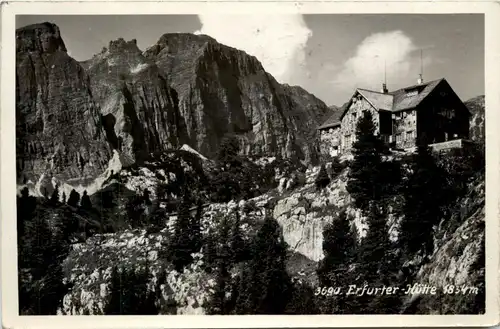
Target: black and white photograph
column 250, row 164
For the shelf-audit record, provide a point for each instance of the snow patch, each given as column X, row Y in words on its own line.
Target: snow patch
column 138, row 68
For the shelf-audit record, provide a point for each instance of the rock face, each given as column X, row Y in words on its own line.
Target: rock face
column 72, row 118
column 139, row 109
column 476, row 108
column 223, row 90
column 58, row 127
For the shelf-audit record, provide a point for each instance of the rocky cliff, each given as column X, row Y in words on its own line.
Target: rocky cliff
column 223, row 90
column 139, row 108
column 476, row 108
column 125, row 104
column 58, row 127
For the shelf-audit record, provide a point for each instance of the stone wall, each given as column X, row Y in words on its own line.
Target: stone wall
column 350, row 120
column 457, row 143
column 404, row 127
column 330, row 141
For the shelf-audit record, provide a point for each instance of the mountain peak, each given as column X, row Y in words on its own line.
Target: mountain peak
column 172, row 43
column 185, row 37
column 120, row 45
column 43, row 37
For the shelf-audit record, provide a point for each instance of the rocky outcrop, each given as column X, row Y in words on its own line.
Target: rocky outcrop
column 58, row 128
column 89, row 266
column 223, row 90
column 477, row 126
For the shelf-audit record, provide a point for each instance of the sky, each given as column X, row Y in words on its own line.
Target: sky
column 329, row 55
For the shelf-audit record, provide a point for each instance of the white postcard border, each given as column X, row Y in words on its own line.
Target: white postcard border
column 10, row 317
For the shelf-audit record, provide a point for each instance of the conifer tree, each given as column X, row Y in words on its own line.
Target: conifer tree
column 375, row 245
column 85, row 202
column 322, row 180
column 74, row 198
column 169, row 304
column 227, row 153
column 43, row 288
column 107, row 199
column 237, row 243
column 246, row 183
column 209, row 253
column 218, row 303
column 195, row 228
column 422, row 207
column 224, row 250
column 147, row 197
column 377, row 266
column 114, row 306
column 129, row 294
column 26, row 206
column 303, row 300
column 337, row 167
column 234, row 289
column 338, row 249
column 265, row 284
column 181, row 244
column 64, row 197
column 146, row 298
column 366, row 176
column 333, row 271
column 54, row 199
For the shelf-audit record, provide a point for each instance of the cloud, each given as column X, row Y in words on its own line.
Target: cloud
column 393, row 52
column 278, row 41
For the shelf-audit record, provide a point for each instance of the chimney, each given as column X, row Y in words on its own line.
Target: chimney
column 384, row 88
column 420, row 79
